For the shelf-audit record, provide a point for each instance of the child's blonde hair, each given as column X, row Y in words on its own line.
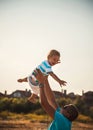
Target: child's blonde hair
column 53, row 53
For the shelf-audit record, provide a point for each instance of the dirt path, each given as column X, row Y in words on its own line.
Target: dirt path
column 22, row 125
column 27, row 125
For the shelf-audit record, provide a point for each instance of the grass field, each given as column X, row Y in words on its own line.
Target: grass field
column 28, row 125
column 13, row 121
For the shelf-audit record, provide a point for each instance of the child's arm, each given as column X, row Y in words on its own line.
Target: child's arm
column 22, row 80
column 61, row 82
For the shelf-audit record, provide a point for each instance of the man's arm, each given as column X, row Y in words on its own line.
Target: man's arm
column 50, row 96
column 46, row 95
column 44, row 102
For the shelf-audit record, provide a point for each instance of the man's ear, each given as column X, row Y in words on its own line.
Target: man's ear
column 66, row 114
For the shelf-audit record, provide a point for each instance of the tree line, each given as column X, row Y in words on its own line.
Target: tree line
column 22, row 105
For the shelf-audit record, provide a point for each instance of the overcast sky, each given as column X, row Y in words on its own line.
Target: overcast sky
column 29, row 29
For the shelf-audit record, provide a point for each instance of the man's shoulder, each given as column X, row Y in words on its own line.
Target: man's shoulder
column 61, row 121
column 59, row 115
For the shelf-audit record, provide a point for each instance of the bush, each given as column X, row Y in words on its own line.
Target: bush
column 84, row 119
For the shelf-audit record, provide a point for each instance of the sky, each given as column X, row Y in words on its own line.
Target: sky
column 29, row 29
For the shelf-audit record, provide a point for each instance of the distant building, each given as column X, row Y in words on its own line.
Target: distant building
column 71, row 95
column 20, row 94
column 65, row 93
column 5, row 93
column 88, row 97
column 1, row 94
column 57, row 94
column 82, row 92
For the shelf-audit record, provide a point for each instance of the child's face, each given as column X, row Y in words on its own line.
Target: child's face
column 54, row 60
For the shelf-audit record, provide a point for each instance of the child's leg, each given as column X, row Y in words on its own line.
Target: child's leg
column 32, row 98
column 34, row 90
column 22, row 80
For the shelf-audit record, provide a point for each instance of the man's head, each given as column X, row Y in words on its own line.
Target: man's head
column 70, row 111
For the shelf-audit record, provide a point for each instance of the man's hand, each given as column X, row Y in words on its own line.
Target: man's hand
column 40, row 77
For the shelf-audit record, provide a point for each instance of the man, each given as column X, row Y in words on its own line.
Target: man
column 62, row 117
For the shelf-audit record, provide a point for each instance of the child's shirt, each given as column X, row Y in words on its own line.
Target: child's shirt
column 60, row 122
column 45, row 67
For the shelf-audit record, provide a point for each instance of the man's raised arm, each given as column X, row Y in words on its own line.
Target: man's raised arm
column 46, row 95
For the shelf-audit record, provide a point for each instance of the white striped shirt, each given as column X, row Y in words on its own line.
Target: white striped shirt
column 45, row 67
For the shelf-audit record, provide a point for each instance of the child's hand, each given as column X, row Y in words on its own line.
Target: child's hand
column 62, row 82
column 20, row 80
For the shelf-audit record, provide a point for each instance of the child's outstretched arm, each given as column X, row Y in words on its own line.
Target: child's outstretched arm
column 22, row 80
column 61, row 82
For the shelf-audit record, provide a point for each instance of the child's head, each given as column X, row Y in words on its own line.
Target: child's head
column 53, row 57
column 70, row 111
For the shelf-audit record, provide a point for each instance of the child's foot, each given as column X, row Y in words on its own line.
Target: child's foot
column 32, row 100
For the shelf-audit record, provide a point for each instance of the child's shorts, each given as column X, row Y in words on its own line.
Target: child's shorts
column 34, row 84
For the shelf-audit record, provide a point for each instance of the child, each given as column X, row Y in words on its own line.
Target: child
column 45, row 67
